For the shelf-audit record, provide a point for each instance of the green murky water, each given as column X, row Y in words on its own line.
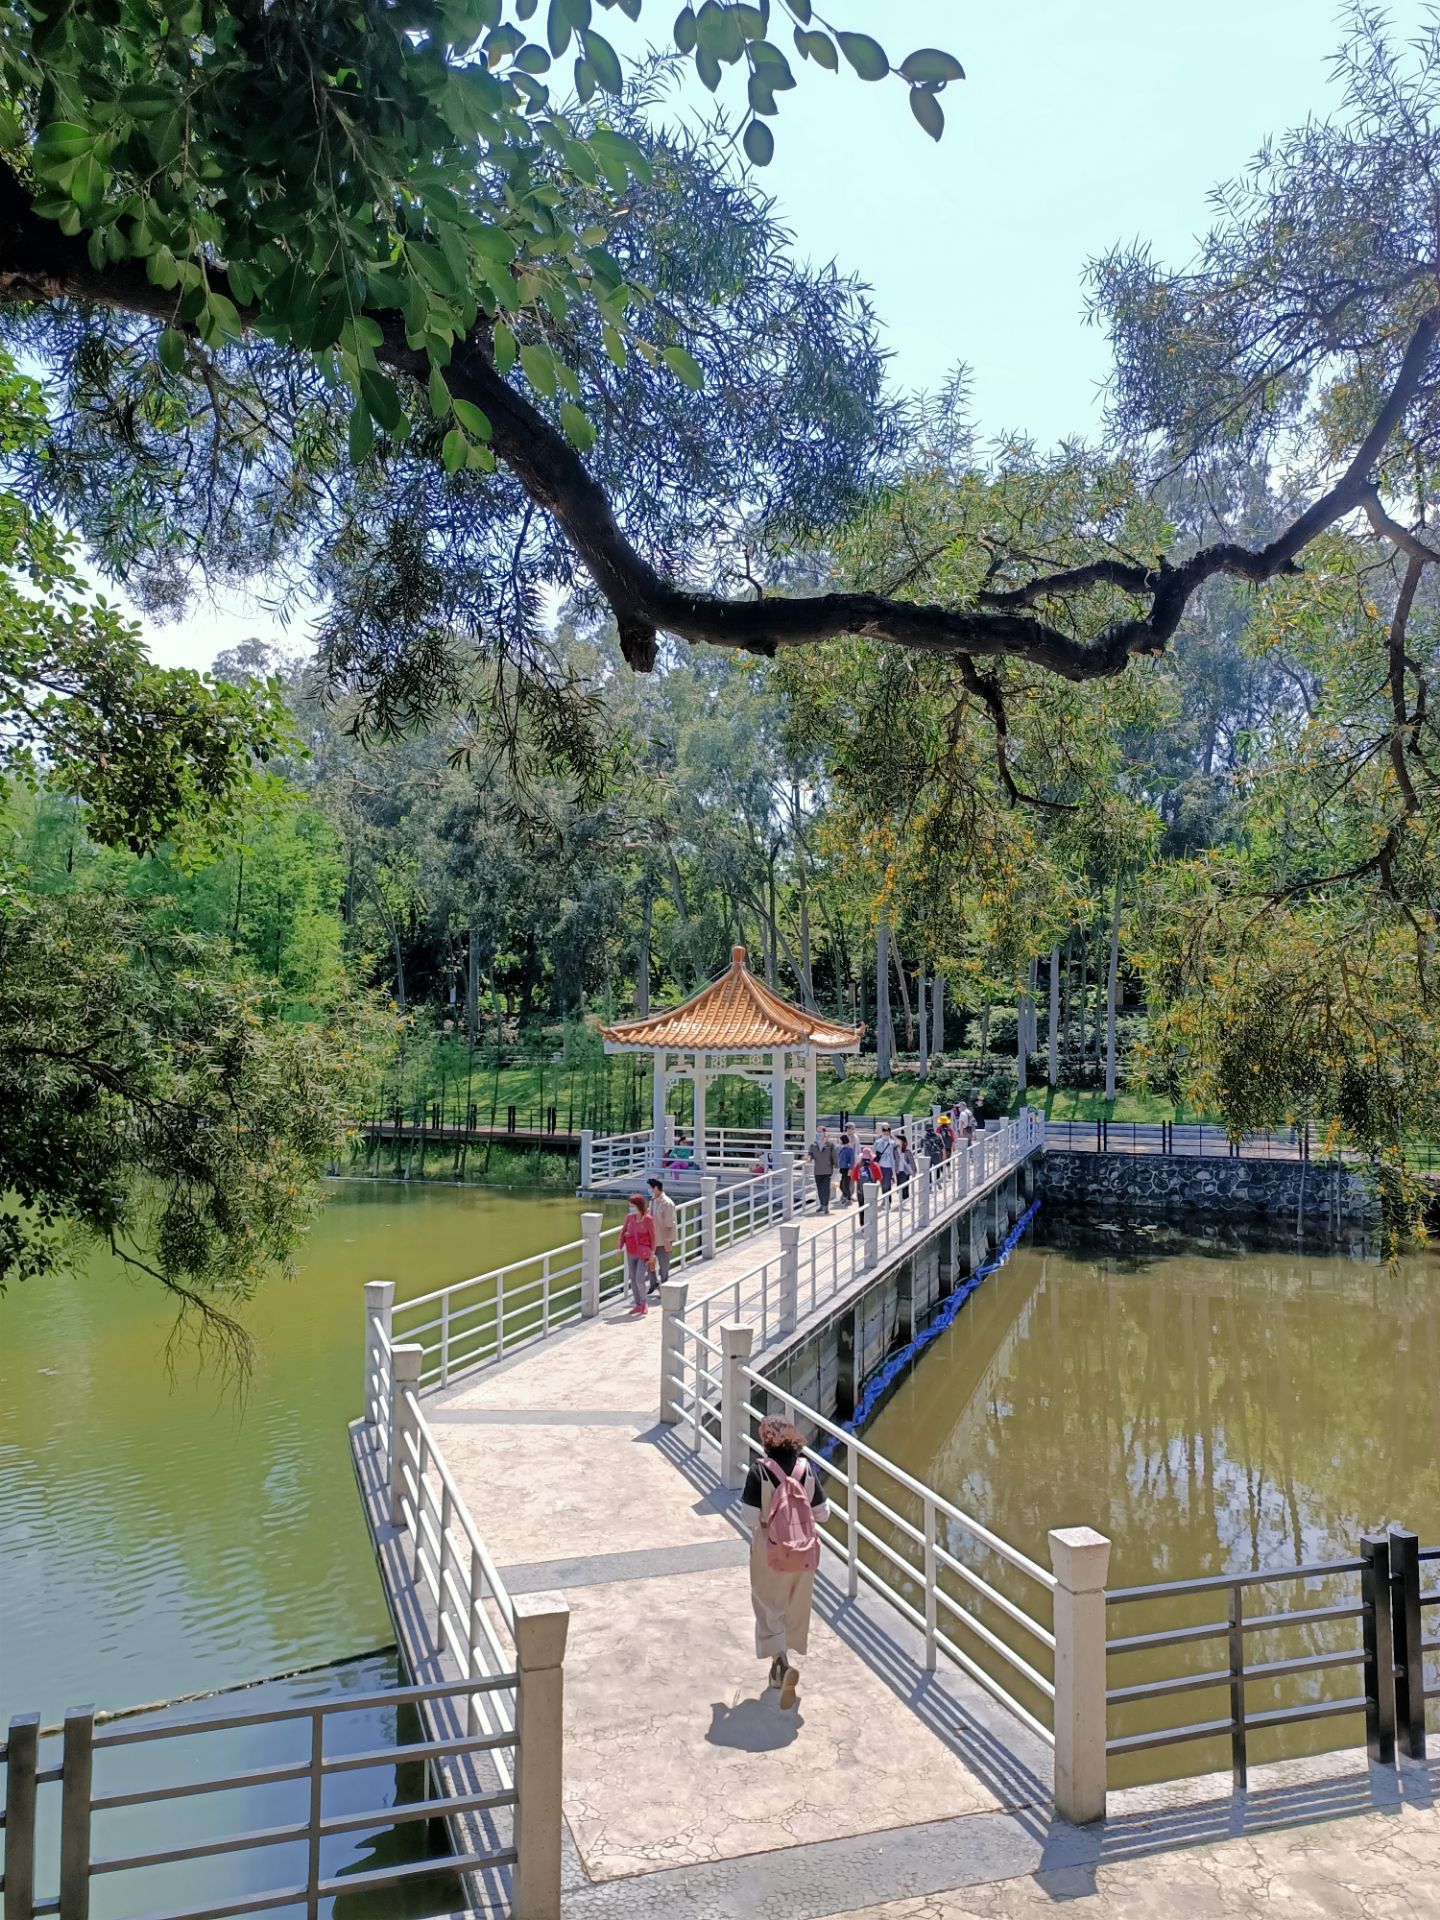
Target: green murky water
column 1210, row 1411
column 160, row 1536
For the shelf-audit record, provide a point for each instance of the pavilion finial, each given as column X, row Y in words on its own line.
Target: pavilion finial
column 737, row 957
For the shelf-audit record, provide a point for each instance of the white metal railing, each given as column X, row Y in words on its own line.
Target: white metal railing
column 915, row 1548
column 615, row 1156
column 791, row 1283
column 464, row 1621
column 450, row 1562
column 475, row 1322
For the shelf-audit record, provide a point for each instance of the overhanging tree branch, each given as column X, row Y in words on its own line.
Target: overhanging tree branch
column 40, row 264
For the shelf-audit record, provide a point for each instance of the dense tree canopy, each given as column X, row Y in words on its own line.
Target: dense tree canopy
column 430, row 313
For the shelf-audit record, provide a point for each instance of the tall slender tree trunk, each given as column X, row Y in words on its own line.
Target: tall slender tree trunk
column 1100, row 994
column 1022, row 1039
column 1054, row 1034
column 472, row 980
column 771, row 926
column 922, row 1025
column 807, row 971
column 1111, row 988
column 884, row 1027
column 642, row 946
column 937, row 1015
column 904, row 996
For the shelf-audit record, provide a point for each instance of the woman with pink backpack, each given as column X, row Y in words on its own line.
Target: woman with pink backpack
column 783, row 1504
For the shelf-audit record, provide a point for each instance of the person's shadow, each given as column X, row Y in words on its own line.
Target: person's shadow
column 753, row 1726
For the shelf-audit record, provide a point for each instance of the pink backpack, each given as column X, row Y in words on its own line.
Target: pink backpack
column 792, row 1540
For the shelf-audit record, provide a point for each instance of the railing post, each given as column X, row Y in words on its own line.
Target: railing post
column 1405, row 1631
column 673, row 1295
column 789, row 1276
column 21, row 1760
column 736, row 1342
column 1379, row 1648
column 587, row 1155
column 709, row 1183
column 871, row 1229
column 590, row 1224
column 405, row 1363
column 931, row 1578
column 379, row 1305
column 787, row 1186
column 542, row 1621
column 922, row 1200
column 76, row 1772
column 1080, row 1559
column 852, row 1518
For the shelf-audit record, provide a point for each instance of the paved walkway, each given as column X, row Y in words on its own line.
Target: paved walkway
column 671, row 1737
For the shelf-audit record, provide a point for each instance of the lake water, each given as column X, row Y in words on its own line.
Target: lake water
column 1210, row 1411
column 162, row 1535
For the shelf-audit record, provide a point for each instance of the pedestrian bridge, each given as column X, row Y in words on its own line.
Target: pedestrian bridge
column 532, row 1451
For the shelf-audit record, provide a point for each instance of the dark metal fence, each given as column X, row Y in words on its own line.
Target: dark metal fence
column 85, row 1742
column 1382, row 1592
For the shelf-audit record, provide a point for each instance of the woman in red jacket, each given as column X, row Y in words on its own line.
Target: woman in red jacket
column 637, row 1243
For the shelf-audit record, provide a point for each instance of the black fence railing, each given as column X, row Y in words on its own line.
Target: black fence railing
column 1383, row 1676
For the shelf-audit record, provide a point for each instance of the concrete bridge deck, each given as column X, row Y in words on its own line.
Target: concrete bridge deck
column 891, row 1793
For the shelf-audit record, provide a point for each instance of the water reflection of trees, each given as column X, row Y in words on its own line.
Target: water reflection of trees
column 1210, row 1415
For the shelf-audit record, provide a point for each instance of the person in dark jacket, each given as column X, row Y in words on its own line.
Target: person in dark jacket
column 822, row 1160
column 845, row 1157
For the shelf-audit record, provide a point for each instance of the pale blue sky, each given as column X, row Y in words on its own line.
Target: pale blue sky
column 1078, row 125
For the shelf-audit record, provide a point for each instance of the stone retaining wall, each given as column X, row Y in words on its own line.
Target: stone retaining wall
column 1316, row 1198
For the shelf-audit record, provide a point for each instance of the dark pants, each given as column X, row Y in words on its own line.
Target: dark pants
column 822, row 1190
column 847, row 1180
column 887, row 1179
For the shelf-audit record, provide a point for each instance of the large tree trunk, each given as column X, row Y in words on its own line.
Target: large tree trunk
column 1111, row 985
column 937, row 1015
column 884, row 1027
column 1054, row 1034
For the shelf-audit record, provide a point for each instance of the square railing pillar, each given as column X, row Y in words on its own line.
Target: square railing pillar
column 736, row 1343
column 673, row 1296
column 542, row 1622
column 405, row 1364
column 379, row 1314
column 1080, row 1560
column 590, row 1225
column 789, row 1276
column 709, row 1185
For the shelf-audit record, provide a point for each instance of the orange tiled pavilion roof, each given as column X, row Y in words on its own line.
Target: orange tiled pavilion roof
column 734, row 1014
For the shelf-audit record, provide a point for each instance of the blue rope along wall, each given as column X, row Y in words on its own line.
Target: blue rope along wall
column 886, row 1374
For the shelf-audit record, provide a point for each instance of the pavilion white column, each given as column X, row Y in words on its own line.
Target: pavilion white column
column 777, row 1104
column 657, row 1113
column 701, row 1080
column 810, row 1108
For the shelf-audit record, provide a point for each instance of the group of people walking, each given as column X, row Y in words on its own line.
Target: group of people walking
column 890, row 1161
column 647, row 1240
column 783, row 1501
